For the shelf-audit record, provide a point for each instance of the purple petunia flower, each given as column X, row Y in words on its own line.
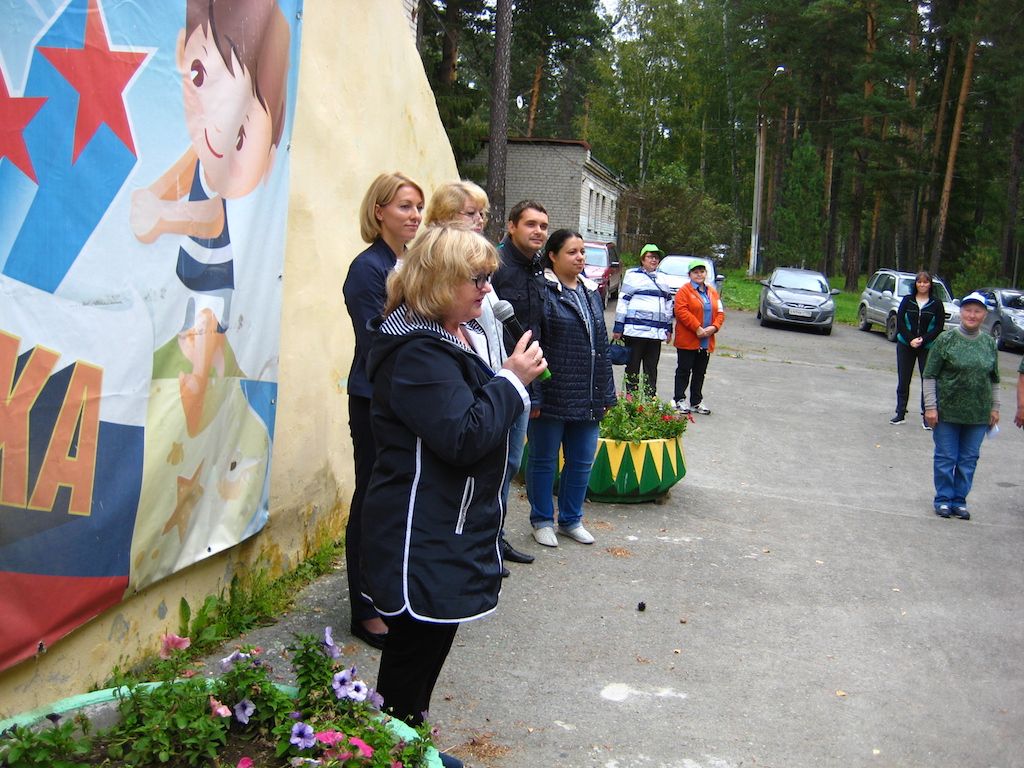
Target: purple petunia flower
column 342, row 682
column 228, row 662
column 375, row 698
column 302, row 736
column 357, row 691
column 331, row 648
column 244, row 710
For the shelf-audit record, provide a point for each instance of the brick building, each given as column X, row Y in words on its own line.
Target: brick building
column 579, row 191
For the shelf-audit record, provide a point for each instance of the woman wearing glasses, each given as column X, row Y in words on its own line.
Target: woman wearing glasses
column 574, row 399
column 463, row 202
column 441, row 417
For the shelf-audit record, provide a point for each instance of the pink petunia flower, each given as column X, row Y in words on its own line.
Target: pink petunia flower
column 170, row 643
column 245, row 762
column 364, row 749
column 217, row 709
column 330, row 738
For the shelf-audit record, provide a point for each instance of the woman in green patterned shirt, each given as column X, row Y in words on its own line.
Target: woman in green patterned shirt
column 961, row 403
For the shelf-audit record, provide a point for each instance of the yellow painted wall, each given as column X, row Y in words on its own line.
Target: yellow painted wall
column 364, row 106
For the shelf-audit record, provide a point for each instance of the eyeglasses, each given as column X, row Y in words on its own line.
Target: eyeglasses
column 481, row 280
column 482, row 215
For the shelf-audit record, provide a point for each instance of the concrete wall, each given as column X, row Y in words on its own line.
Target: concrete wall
column 549, row 174
column 364, row 106
column 577, row 192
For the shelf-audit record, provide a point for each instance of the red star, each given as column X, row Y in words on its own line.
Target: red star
column 15, row 114
column 100, row 76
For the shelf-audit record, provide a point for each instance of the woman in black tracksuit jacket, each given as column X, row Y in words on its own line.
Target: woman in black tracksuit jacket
column 441, row 418
column 919, row 321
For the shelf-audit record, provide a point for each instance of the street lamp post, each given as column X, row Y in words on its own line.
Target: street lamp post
column 762, row 140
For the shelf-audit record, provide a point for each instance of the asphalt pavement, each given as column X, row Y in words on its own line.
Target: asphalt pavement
column 803, row 606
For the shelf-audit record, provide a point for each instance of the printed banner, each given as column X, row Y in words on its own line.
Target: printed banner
column 138, row 330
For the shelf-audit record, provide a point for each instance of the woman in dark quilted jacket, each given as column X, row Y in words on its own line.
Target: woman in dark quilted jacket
column 574, row 399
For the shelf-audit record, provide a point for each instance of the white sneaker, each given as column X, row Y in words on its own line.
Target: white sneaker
column 681, row 406
column 701, row 409
column 545, row 536
column 579, row 533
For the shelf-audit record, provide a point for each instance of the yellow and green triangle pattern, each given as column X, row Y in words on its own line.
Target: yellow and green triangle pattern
column 634, row 472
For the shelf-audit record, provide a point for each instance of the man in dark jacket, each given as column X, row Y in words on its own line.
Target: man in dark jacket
column 519, row 282
column 520, row 276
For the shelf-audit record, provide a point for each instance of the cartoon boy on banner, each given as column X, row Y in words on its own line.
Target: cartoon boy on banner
column 208, row 429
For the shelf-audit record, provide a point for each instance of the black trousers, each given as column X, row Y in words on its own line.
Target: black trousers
column 365, row 451
column 906, row 355
column 413, row 656
column 691, row 362
column 644, row 352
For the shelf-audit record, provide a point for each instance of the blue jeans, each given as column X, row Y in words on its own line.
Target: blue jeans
column 578, row 441
column 957, row 447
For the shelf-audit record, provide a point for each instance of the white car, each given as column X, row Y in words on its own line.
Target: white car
column 674, row 270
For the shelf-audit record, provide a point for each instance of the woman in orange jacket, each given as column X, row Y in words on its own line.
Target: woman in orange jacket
column 699, row 317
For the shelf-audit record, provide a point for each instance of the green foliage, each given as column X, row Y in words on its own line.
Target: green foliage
column 312, row 666
column 800, row 225
column 55, row 746
column 161, row 722
column 638, row 416
column 680, row 217
column 249, row 603
column 977, row 269
column 683, row 82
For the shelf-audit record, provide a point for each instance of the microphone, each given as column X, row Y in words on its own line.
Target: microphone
column 506, row 315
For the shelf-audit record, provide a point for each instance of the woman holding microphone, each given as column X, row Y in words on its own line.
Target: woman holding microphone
column 441, row 417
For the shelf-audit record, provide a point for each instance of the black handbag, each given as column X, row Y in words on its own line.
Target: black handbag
column 618, row 353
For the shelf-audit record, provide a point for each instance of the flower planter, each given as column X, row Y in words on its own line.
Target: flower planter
column 101, row 709
column 635, row 472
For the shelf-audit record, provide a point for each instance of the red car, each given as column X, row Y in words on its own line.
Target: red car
column 604, row 268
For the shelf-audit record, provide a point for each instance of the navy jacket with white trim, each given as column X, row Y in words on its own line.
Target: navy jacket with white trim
column 433, row 508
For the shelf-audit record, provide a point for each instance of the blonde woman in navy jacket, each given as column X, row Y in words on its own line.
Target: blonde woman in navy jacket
column 919, row 320
column 441, row 417
column 570, row 404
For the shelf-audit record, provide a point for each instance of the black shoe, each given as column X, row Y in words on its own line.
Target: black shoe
column 449, row 761
column 505, row 572
column 962, row 513
column 372, row 639
column 943, row 510
column 510, row 553
column 899, row 418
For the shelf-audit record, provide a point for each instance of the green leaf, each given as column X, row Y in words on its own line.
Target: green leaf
column 184, row 617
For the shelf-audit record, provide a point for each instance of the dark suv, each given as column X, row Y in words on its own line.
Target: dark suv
column 604, row 268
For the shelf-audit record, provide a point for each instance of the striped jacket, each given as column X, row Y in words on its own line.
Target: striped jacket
column 644, row 310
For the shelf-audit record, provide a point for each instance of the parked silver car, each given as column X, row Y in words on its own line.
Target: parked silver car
column 883, row 294
column 1005, row 318
column 797, row 297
